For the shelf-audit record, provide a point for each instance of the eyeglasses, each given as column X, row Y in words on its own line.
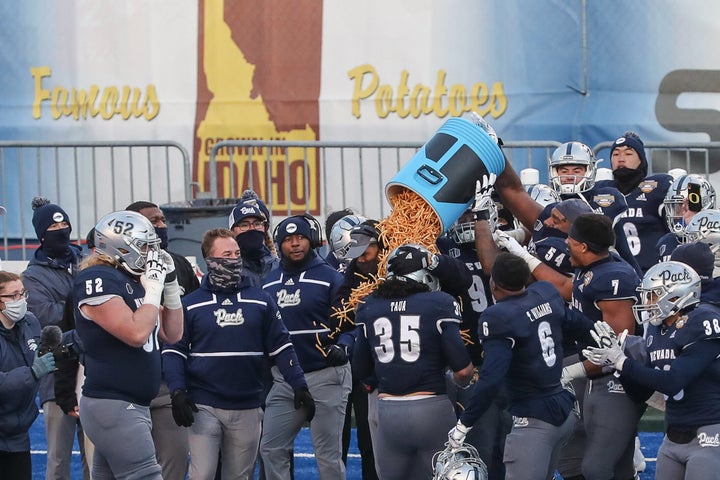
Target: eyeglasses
column 245, row 226
column 16, row 296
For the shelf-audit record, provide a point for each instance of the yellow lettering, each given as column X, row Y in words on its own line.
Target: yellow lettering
column 384, row 101
column 152, row 104
column 499, row 100
column 440, row 92
column 416, row 100
column 359, row 93
column 40, row 94
column 456, row 102
column 402, row 94
column 124, row 101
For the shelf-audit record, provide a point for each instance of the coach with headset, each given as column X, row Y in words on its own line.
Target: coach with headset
column 303, row 287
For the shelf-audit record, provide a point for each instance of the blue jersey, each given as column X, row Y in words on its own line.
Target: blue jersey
column 114, row 369
column 304, row 298
column 710, row 291
column 227, row 335
column 410, row 341
column 602, row 199
column 553, row 252
column 475, row 299
column 523, row 335
column 644, row 221
column 610, row 278
column 666, row 245
column 685, row 367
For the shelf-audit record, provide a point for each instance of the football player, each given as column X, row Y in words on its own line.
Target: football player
column 683, row 363
column 410, row 334
column 522, row 336
column 119, row 317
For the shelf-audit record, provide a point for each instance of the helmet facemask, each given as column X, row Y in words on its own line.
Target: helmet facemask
column 126, row 237
column 572, row 154
column 666, row 289
column 683, row 190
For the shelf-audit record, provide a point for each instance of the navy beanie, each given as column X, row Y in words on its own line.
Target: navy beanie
column 697, row 255
column 632, row 140
column 293, row 226
column 46, row 214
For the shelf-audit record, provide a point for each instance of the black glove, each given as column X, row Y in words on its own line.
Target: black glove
column 409, row 259
column 304, row 400
column 336, row 355
column 182, row 408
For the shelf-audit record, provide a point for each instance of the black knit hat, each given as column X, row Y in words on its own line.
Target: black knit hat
column 47, row 213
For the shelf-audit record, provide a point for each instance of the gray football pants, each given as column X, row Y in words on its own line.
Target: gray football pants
column 698, row 459
column 610, row 418
column 330, row 388
column 120, row 431
column 532, row 448
column 410, row 431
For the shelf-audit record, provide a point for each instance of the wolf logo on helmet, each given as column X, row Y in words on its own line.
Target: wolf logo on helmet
column 340, row 240
column 461, row 463
column 126, row 237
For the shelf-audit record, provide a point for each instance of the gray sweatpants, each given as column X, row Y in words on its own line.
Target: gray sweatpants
column 171, row 441
column 235, row 433
column 410, row 431
column 330, row 388
column 611, row 420
column 123, row 443
column 532, row 448
column 698, row 459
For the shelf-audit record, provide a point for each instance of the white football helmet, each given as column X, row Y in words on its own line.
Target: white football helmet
column 464, row 232
column 340, row 241
column 543, row 194
column 461, row 463
column 705, row 227
column 126, row 237
column 666, row 288
column 678, row 194
column 572, row 153
column 400, row 254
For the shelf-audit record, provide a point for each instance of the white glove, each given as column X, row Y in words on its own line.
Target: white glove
column 456, row 436
column 153, row 280
column 167, row 259
column 609, row 352
column 571, row 372
column 483, row 196
column 171, row 292
column 517, row 233
column 503, row 240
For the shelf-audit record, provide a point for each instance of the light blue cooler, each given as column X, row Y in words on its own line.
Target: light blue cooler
column 444, row 171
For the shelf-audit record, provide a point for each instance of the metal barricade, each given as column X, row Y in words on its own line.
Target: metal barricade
column 351, row 174
column 87, row 179
column 700, row 157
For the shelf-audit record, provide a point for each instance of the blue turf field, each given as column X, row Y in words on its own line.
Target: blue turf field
column 305, row 468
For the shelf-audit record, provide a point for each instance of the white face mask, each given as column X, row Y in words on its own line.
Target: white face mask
column 15, row 311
